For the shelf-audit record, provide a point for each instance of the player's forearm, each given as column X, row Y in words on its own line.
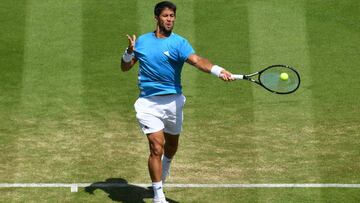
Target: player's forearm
column 206, row 66
column 201, row 63
column 127, row 60
column 126, row 66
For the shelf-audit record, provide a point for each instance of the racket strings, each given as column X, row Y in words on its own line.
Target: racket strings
column 270, row 79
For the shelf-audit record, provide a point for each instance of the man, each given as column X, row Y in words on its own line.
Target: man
column 161, row 55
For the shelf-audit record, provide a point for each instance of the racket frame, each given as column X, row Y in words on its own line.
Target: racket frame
column 250, row 78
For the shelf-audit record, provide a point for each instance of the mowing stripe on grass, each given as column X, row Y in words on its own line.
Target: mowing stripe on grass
column 284, row 123
column 334, row 47
column 53, row 54
column 278, row 36
column 12, row 23
column 51, row 91
column 11, row 53
column 109, row 94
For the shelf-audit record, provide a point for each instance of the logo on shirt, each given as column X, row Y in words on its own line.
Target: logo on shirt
column 167, row 53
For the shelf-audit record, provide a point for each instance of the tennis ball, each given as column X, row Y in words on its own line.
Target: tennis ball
column 284, row 76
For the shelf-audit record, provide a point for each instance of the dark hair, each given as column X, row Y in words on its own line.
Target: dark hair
column 159, row 7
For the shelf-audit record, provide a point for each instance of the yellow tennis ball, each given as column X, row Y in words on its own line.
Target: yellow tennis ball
column 284, row 76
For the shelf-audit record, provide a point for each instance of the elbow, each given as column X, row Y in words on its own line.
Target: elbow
column 124, row 67
column 127, row 66
column 195, row 61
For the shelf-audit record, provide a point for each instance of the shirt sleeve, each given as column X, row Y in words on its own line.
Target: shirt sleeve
column 185, row 50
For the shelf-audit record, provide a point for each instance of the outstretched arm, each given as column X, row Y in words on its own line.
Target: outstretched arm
column 127, row 60
column 206, row 66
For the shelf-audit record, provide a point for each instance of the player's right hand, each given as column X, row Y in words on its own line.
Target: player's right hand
column 226, row 76
column 131, row 46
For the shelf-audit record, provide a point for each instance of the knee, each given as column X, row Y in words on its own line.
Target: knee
column 170, row 150
column 156, row 149
column 171, row 146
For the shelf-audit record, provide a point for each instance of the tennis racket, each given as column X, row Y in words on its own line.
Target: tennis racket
column 279, row 79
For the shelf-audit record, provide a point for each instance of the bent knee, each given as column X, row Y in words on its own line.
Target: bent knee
column 156, row 150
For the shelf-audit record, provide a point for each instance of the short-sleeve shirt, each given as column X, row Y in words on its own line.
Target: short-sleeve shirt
column 161, row 61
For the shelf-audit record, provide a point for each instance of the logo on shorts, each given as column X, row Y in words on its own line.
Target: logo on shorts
column 146, row 127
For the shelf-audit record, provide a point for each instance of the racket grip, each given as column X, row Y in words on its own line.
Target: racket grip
column 236, row 77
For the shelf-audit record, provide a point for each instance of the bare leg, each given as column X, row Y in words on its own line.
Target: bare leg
column 171, row 145
column 156, row 144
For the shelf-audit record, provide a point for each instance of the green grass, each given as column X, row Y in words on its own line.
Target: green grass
column 66, row 109
column 336, row 103
column 11, row 60
column 184, row 195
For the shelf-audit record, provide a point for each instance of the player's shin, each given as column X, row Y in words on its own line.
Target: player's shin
column 165, row 167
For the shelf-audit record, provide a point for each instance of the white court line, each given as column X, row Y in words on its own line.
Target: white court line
column 173, row 185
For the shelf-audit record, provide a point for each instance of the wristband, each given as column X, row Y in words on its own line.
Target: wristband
column 216, row 70
column 127, row 57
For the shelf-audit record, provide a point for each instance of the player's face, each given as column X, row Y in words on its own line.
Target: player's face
column 166, row 20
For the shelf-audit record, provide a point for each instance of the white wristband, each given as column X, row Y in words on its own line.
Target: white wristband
column 127, row 57
column 216, row 70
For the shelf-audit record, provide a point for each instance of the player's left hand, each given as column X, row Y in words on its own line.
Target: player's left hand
column 131, row 46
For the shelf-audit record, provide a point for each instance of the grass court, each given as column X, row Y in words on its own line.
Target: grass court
column 66, row 109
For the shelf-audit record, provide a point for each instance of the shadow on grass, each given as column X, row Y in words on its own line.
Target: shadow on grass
column 119, row 190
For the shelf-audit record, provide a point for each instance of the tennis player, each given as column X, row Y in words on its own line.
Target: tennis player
column 159, row 108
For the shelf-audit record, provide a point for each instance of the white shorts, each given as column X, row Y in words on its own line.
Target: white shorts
column 160, row 113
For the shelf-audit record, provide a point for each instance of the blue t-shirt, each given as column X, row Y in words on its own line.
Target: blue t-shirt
column 161, row 61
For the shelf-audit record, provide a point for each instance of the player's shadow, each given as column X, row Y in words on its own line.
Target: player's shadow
column 119, row 190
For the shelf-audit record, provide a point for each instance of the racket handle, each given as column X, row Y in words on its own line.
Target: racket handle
column 236, row 77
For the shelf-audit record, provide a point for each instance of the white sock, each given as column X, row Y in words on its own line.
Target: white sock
column 165, row 167
column 158, row 190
